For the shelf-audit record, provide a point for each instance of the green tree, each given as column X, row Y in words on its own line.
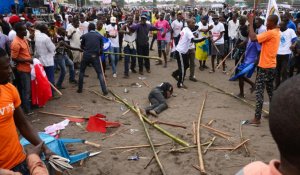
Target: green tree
column 231, row 2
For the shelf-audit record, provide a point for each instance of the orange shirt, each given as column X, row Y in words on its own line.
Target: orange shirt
column 11, row 151
column 260, row 168
column 20, row 49
column 270, row 41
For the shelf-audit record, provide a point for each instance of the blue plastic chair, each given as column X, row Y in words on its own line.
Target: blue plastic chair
column 58, row 147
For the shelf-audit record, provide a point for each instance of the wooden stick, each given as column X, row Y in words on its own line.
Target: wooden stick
column 129, row 150
column 151, row 160
column 210, row 122
column 150, row 141
column 184, row 148
column 194, row 133
column 107, row 98
column 242, row 139
column 115, row 133
column 169, row 124
column 240, row 60
column 61, row 115
column 239, row 145
column 137, row 146
column 102, row 71
column 220, row 135
column 208, row 146
column 201, row 162
column 215, row 130
column 197, row 167
column 221, row 148
column 232, row 95
column 92, row 144
column 140, row 56
column 216, row 48
column 145, row 83
column 176, row 139
column 126, row 112
column 55, row 89
column 224, row 59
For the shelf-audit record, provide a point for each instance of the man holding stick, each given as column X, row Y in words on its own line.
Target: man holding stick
column 217, row 41
column 92, row 45
column 270, row 41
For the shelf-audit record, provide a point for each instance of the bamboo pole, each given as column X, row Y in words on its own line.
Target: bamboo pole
column 107, row 98
column 242, row 139
column 61, row 115
column 55, row 88
column 224, row 59
column 140, row 56
column 150, row 141
column 210, row 123
column 151, row 160
column 240, row 60
column 145, row 83
column 239, row 145
column 209, row 145
column 92, row 144
column 232, row 95
column 115, row 133
column 169, row 124
column 221, row 148
column 102, row 72
column 178, row 140
column 137, row 146
column 201, row 162
column 216, row 130
column 126, row 112
column 194, row 133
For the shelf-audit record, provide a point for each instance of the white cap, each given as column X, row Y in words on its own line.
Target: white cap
column 113, row 19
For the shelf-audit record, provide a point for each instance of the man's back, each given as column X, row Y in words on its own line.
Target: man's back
column 92, row 43
column 270, row 41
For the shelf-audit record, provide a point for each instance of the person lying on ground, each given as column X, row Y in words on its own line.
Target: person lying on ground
column 12, row 156
column 284, row 126
column 34, row 163
column 158, row 97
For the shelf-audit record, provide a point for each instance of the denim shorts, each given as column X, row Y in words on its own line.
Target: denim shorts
column 161, row 44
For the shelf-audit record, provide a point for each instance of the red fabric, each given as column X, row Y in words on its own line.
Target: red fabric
column 14, row 19
column 40, row 87
column 96, row 124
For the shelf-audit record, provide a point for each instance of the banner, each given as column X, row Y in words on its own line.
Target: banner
column 272, row 10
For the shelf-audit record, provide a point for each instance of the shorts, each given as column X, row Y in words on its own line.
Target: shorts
column 161, row 44
column 220, row 48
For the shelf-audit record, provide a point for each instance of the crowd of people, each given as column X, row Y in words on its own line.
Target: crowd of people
column 78, row 39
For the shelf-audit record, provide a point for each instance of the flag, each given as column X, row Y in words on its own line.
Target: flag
column 40, row 86
column 272, row 10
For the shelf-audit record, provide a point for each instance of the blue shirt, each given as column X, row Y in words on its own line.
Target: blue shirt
column 252, row 51
column 292, row 25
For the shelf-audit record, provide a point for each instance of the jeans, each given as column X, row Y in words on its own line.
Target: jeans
column 128, row 50
column 264, row 77
column 62, row 61
column 95, row 61
column 143, row 50
column 114, row 58
column 157, row 100
column 21, row 168
column 25, row 82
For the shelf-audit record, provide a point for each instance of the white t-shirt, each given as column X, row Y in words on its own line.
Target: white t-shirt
column 233, row 29
column 84, row 27
column 185, row 40
column 113, row 31
column 11, row 35
column 216, row 32
column 202, row 34
column 286, row 41
column 176, row 26
column 75, row 40
column 261, row 29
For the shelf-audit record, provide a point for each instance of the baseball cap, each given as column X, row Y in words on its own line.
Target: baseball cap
column 113, row 19
column 144, row 16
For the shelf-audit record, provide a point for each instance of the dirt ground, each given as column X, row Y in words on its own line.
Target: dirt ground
column 183, row 109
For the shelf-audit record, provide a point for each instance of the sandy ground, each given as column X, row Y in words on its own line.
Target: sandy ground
column 183, row 109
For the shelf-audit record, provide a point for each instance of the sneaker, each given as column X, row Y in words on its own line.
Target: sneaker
column 205, row 67
column 73, row 81
column 29, row 113
column 212, row 71
column 115, row 75
column 182, row 86
column 79, row 91
column 201, row 68
column 148, row 70
column 141, row 72
column 105, row 93
column 152, row 112
column 159, row 63
column 193, row 79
